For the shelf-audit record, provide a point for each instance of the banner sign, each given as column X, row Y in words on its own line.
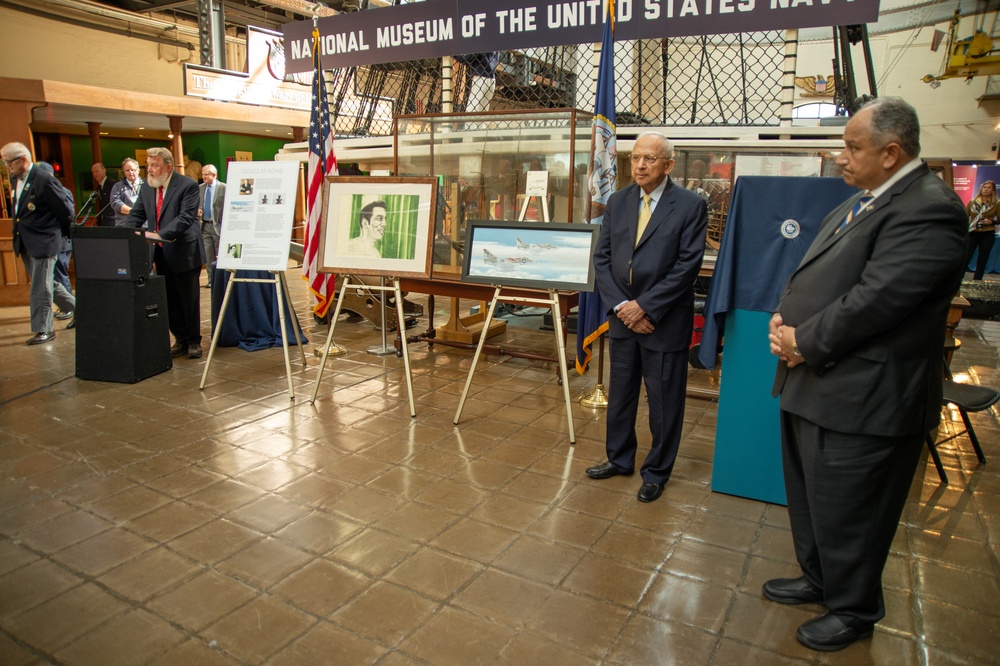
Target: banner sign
column 438, row 28
column 264, row 83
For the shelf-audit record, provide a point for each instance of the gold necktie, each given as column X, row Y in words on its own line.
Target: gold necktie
column 644, row 214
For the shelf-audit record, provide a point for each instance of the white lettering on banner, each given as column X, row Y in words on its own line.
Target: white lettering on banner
column 344, row 42
column 473, row 24
column 517, row 20
column 421, row 32
column 301, row 49
column 427, row 29
column 652, row 9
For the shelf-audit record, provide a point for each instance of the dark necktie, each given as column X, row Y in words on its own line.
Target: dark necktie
column 207, row 208
column 861, row 203
column 159, row 206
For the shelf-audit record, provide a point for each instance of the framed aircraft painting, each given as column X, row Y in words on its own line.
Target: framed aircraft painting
column 529, row 254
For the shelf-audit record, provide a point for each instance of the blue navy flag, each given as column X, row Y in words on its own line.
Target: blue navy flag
column 602, row 180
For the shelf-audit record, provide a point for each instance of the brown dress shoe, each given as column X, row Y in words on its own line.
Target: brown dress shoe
column 194, row 351
column 178, row 349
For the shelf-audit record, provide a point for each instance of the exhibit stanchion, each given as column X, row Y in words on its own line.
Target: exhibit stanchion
column 552, row 302
column 598, row 396
column 399, row 319
column 281, row 290
column 384, row 349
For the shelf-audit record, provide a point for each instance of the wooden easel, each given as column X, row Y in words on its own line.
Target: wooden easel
column 552, row 302
column 399, row 322
column 284, row 296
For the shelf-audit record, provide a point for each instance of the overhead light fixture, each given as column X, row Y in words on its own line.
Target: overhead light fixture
column 170, row 135
column 935, row 84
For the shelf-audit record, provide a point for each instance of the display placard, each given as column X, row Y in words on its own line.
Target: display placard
column 258, row 216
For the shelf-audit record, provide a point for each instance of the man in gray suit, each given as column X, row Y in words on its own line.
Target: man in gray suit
column 212, row 195
column 42, row 218
column 859, row 332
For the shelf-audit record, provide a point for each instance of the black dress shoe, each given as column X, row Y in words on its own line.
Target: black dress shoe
column 606, row 471
column 71, row 325
column 62, row 316
column 194, row 351
column 650, row 492
column 178, row 349
column 792, row 591
column 828, row 633
column 41, row 337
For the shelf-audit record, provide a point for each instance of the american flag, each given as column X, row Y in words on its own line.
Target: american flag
column 322, row 163
column 602, row 180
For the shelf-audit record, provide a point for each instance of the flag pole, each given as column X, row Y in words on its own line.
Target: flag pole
column 320, row 88
column 598, row 397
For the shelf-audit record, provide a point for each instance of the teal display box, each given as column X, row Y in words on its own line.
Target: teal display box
column 748, row 432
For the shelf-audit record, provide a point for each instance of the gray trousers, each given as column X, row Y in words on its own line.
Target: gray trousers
column 210, row 238
column 43, row 290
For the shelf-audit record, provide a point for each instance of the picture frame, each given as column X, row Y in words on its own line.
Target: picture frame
column 359, row 237
column 556, row 255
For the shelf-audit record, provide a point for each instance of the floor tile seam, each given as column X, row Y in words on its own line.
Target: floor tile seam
column 201, row 636
column 45, row 657
column 962, row 568
column 657, row 571
column 752, row 552
column 130, row 604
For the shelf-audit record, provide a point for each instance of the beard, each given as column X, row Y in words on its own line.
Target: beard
column 155, row 182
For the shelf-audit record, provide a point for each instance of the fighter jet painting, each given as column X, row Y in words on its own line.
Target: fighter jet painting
column 494, row 260
column 521, row 245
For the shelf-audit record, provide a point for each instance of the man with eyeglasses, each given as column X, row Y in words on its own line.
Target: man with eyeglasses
column 648, row 255
column 42, row 218
column 125, row 191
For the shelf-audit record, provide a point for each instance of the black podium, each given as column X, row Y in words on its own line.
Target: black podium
column 121, row 310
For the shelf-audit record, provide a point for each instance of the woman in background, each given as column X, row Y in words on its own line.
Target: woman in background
column 982, row 212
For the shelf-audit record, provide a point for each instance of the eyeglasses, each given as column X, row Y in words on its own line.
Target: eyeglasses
column 646, row 159
column 10, row 163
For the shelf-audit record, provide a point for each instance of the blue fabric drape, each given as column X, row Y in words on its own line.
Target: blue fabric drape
column 252, row 322
column 756, row 257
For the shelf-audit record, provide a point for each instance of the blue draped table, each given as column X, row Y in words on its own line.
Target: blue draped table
column 251, row 322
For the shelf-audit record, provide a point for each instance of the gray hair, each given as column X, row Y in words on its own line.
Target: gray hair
column 163, row 153
column 894, row 121
column 211, row 169
column 668, row 148
column 16, row 150
column 129, row 159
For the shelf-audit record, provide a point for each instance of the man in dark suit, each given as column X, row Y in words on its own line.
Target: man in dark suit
column 102, row 199
column 212, row 195
column 168, row 204
column 859, row 332
column 648, row 255
column 42, row 219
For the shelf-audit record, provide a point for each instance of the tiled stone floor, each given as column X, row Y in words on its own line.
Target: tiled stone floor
column 158, row 524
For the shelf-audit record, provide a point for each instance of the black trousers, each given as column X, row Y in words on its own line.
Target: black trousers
column 984, row 240
column 665, row 376
column 845, row 496
column 183, row 301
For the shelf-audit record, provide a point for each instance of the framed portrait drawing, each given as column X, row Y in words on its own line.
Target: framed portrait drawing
column 556, row 255
column 378, row 226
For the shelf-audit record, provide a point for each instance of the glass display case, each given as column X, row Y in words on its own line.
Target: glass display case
column 482, row 160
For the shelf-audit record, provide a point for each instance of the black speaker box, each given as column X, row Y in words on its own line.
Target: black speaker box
column 121, row 329
column 110, row 253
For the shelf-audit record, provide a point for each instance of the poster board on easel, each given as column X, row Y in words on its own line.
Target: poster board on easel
column 256, row 233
